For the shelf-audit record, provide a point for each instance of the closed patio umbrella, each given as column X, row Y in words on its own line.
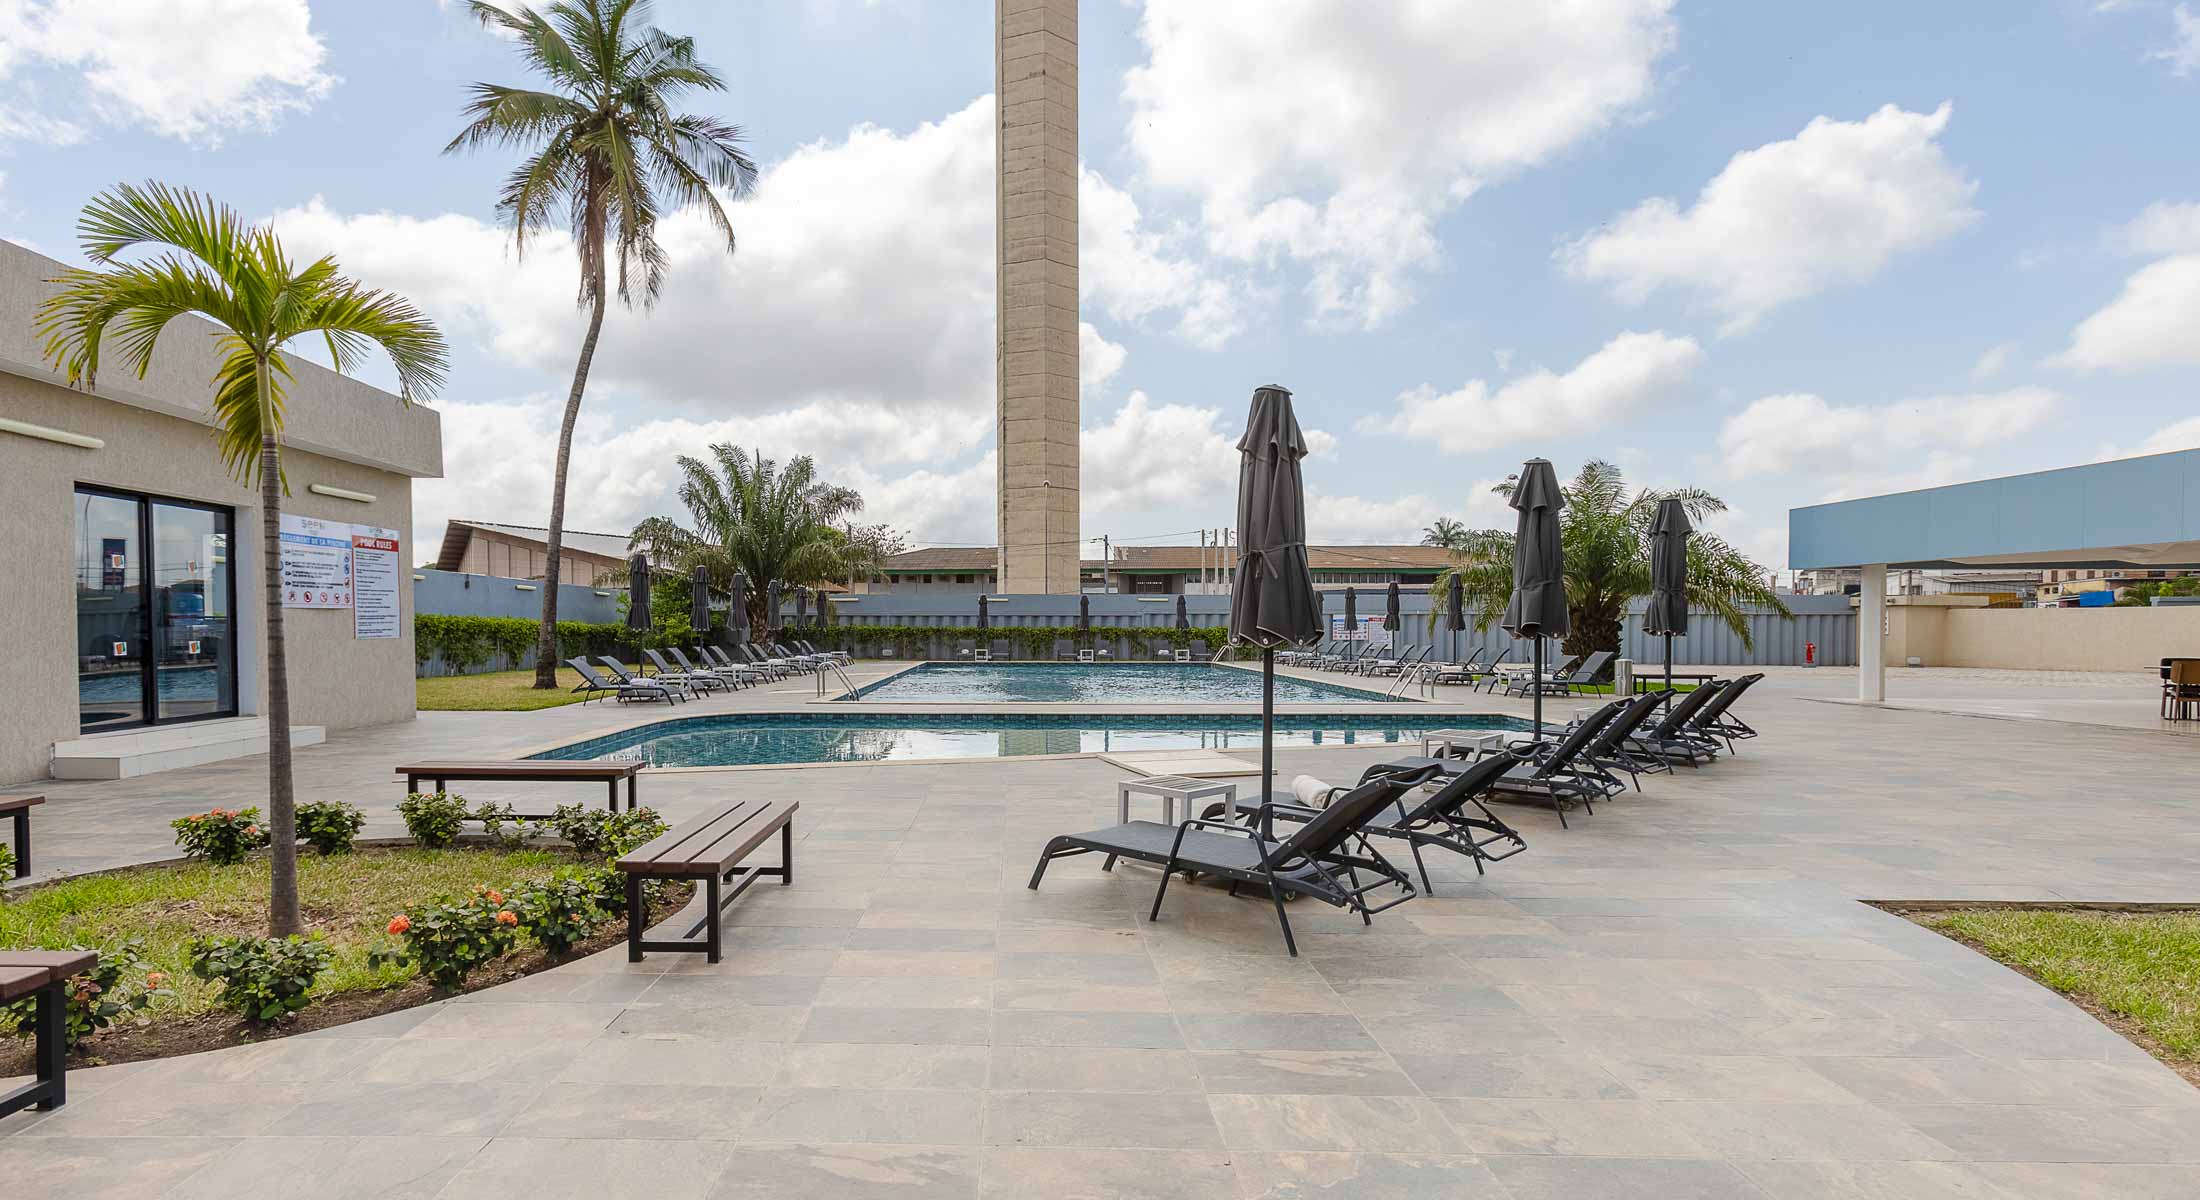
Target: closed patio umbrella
column 772, row 621
column 1458, row 616
column 1183, row 614
column 737, row 610
column 1668, row 611
column 981, row 612
column 1272, row 601
column 637, row 593
column 1537, row 608
column 1084, row 613
column 1352, row 619
column 1391, row 621
column 801, row 606
column 699, row 600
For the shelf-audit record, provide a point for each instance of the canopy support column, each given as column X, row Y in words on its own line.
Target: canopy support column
column 1871, row 636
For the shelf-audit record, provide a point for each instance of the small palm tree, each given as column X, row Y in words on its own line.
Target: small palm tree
column 1606, row 534
column 1447, row 533
column 207, row 262
column 770, row 523
column 607, row 155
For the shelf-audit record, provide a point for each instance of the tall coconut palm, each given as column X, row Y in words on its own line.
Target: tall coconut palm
column 203, row 260
column 1605, row 530
column 606, row 156
column 771, row 523
column 1447, row 533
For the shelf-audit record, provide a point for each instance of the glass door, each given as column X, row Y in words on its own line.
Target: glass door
column 155, row 612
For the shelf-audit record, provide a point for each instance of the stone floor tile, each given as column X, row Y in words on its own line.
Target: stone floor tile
column 1157, row 1031
column 391, row 1109
column 807, row 1114
column 1594, row 1128
column 1060, row 1173
column 1877, row 1181
column 632, row 1110
column 331, row 1168
column 1341, row 1123
column 614, row 1059
column 908, row 1026
column 2041, row 1133
column 728, row 1023
column 500, row 1059
column 1303, row 1072
column 1518, row 1076
column 765, row 1171
column 1722, row 1077
column 1758, row 1129
column 1099, row 1119
column 154, row 1107
column 1263, row 1031
column 1362, row 1176
column 591, row 1169
column 106, row 1166
column 888, row 1067
column 1547, row 1177
column 1092, row 1069
column 2092, row 1181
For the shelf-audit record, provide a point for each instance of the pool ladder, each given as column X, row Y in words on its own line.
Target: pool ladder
column 842, row 676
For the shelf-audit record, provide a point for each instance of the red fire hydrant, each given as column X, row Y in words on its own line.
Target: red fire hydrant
column 1810, row 654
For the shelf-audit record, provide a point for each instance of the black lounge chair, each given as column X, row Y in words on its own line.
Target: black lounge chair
column 1610, row 751
column 1671, row 737
column 1468, row 671
column 1716, row 718
column 1562, row 683
column 1558, row 772
column 726, row 663
column 619, row 674
column 692, row 679
column 713, row 670
column 1440, row 818
column 1509, row 678
column 591, row 684
column 1318, row 859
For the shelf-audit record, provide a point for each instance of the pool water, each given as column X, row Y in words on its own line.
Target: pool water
column 741, row 739
column 1100, row 683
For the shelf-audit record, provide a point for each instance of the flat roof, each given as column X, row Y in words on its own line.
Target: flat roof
column 2130, row 512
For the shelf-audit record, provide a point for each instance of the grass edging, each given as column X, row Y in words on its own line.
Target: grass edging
column 2173, row 1041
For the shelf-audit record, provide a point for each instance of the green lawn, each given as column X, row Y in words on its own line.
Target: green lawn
column 349, row 897
column 494, row 691
column 2141, row 967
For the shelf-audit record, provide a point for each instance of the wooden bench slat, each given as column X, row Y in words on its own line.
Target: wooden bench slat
column 10, row 803
column 713, row 842
column 60, row 962
column 16, row 982
column 691, row 841
column 523, row 769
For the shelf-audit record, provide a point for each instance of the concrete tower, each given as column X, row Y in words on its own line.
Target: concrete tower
column 1035, row 78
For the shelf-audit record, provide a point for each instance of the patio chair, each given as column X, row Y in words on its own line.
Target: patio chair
column 1375, row 660
column 695, row 680
column 804, row 663
column 1469, row 671
column 619, row 674
column 1508, row 676
column 773, row 668
column 731, row 679
column 591, row 684
column 1580, row 673
column 810, row 648
column 1610, row 751
column 1318, row 859
column 1557, row 772
column 1440, row 818
column 2180, row 688
column 1717, row 719
column 1670, row 738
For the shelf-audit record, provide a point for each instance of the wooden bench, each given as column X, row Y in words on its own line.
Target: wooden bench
column 44, row 974
column 708, row 850
column 19, row 807
column 529, row 771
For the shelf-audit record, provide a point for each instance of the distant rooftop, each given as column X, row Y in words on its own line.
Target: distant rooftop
column 458, row 533
column 1183, row 558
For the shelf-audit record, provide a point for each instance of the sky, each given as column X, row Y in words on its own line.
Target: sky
column 1785, row 253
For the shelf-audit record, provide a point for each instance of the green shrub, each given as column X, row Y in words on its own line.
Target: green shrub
column 7, row 866
column 446, row 940
column 503, row 828
column 559, row 913
column 599, row 833
column 116, row 988
column 329, row 826
column 465, row 642
column 433, row 818
column 222, row 836
column 1030, row 641
column 263, row 979
column 609, row 886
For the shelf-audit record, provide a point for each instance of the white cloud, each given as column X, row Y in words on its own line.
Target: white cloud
column 2177, row 435
column 187, row 69
column 1335, row 135
column 1993, row 361
column 2149, row 324
column 1133, row 272
column 1098, row 359
column 1606, row 388
column 1859, row 449
column 2162, row 228
column 2183, row 52
column 864, row 277
column 1832, row 205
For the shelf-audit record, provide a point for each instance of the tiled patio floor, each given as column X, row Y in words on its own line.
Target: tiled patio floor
column 1680, row 997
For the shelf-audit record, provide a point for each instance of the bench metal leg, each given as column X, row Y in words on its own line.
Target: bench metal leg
column 22, row 843
column 612, row 803
column 786, row 854
column 49, row 1090
column 635, row 918
column 631, row 780
column 713, row 939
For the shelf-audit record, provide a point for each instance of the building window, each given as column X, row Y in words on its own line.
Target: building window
column 155, row 618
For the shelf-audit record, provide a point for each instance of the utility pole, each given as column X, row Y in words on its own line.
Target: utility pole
column 1107, row 557
column 1203, row 561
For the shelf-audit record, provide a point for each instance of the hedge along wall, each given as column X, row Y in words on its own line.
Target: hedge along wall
column 448, row 645
column 1020, row 641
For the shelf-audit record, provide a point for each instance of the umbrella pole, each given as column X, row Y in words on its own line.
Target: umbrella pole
column 1536, row 682
column 1267, row 724
column 1669, row 662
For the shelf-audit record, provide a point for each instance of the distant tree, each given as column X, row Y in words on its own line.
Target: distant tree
column 1605, row 531
column 1447, row 533
column 768, row 522
column 607, row 156
column 204, row 261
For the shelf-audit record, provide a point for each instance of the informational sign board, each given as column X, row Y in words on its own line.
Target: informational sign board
column 316, row 563
column 1370, row 630
column 374, row 575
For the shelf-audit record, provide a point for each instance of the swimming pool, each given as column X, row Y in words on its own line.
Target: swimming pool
column 1100, row 683
column 749, row 739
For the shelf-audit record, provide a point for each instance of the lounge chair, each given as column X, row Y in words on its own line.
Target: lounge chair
column 804, row 663
column 591, row 684
column 1467, row 672
column 810, row 648
column 1610, row 751
column 1381, row 660
column 1317, row 859
column 1717, row 719
column 771, row 667
column 1440, row 818
column 692, row 679
column 725, row 662
column 1671, row 737
column 1509, row 676
column 619, row 674
column 687, row 667
column 1581, row 673
column 1400, row 664
column 1556, row 772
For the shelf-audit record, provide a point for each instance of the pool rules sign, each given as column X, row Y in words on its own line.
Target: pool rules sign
column 331, row 564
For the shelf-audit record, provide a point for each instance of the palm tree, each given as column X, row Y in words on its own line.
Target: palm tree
column 1606, row 535
column 770, row 523
column 209, row 263
column 1447, row 533
column 606, row 153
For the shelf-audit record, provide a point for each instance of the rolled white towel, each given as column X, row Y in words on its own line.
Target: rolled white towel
column 1312, row 792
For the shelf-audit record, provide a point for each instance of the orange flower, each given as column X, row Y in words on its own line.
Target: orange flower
column 400, row 923
column 494, row 896
column 154, row 979
column 252, row 831
column 507, row 917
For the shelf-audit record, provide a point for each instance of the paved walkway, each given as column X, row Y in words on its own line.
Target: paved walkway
column 1680, row 997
